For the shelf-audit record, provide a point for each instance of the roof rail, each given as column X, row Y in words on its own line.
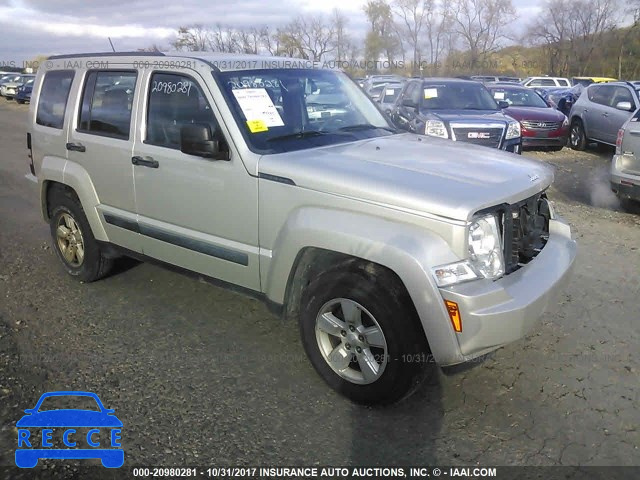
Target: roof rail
column 108, row 54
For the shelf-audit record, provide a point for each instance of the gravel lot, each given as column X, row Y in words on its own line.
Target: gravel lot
column 200, row 375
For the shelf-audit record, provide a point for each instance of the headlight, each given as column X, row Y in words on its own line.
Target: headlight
column 436, row 128
column 565, row 122
column 485, row 260
column 513, row 131
column 485, row 247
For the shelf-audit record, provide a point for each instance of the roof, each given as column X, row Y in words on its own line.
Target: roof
column 219, row 60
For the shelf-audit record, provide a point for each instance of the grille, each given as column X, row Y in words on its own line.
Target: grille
column 532, row 125
column 525, row 229
column 488, row 137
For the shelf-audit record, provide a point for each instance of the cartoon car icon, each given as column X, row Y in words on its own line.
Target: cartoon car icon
column 99, row 421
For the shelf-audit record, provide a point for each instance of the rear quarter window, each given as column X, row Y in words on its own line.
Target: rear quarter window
column 54, row 94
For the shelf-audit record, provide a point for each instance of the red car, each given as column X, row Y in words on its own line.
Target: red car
column 541, row 124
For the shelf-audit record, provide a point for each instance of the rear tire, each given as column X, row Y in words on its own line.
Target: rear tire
column 577, row 137
column 363, row 336
column 73, row 240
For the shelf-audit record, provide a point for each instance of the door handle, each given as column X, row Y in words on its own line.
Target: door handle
column 76, row 147
column 145, row 162
column 634, row 132
column 605, row 114
column 586, row 110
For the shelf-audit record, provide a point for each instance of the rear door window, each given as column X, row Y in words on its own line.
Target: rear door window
column 107, row 100
column 601, row 94
column 563, row 83
column 54, row 94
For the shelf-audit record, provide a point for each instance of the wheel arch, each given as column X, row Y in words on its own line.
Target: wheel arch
column 59, row 174
column 310, row 244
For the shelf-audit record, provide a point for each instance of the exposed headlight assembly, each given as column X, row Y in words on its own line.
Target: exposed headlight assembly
column 485, row 259
column 513, row 130
column 436, row 128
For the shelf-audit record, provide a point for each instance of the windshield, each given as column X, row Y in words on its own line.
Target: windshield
column 391, row 93
column 280, row 110
column 519, row 98
column 11, row 78
column 457, row 96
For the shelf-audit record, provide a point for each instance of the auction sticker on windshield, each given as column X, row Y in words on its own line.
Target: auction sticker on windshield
column 258, row 109
column 430, row 93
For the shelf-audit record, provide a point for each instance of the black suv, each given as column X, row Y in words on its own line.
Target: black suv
column 460, row 110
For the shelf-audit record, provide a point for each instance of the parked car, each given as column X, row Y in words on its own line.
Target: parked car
column 460, row 110
column 625, row 166
column 541, row 125
column 600, row 111
column 384, row 248
column 9, row 78
column 492, row 79
column 377, row 80
column 586, row 81
column 532, row 82
column 23, row 93
column 9, row 89
column 389, row 95
column 561, row 98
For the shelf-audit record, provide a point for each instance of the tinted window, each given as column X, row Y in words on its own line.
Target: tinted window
column 601, row 94
column 106, row 103
column 522, row 97
column 563, row 83
column 53, row 98
column 174, row 101
column 622, row 94
column 391, row 94
column 413, row 92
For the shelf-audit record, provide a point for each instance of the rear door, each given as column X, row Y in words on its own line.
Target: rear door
column 101, row 142
column 597, row 110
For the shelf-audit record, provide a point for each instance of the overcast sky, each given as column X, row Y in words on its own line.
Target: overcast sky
column 45, row 27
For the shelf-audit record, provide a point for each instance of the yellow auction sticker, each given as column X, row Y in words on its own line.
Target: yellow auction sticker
column 257, row 126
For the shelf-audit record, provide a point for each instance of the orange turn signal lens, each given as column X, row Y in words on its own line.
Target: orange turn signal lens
column 454, row 315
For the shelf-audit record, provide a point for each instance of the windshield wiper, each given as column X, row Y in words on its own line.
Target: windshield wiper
column 365, row 126
column 297, row 135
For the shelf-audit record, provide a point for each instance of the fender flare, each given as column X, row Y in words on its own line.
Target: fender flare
column 407, row 250
column 71, row 174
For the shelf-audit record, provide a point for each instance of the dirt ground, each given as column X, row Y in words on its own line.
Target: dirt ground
column 202, row 376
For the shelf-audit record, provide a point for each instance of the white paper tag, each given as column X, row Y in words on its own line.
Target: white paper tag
column 256, row 104
column 389, row 91
column 430, row 93
column 498, row 95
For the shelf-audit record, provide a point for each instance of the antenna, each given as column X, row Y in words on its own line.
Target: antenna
column 111, row 44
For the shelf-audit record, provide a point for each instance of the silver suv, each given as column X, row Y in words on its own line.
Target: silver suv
column 625, row 166
column 600, row 111
column 393, row 251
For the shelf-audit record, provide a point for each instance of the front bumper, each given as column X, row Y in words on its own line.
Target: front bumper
column 495, row 313
column 514, row 145
column 560, row 141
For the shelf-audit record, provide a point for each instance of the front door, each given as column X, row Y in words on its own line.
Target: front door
column 193, row 212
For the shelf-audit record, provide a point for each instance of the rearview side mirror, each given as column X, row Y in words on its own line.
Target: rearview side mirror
column 196, row 139
column 626, row 106
column 503, row 104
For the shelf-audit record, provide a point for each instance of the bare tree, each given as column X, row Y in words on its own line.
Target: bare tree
column 571, row 31
column 438, row 31
column 481, row 25
column 307, row 37
column 195, row 38
column 341, row 40
column 412, row 15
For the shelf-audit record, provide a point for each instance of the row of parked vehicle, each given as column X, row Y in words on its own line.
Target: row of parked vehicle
column 16, row 86
column 509, row 115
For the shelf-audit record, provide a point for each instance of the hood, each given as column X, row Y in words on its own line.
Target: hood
column 413, row 172
column 543, row 114
column 479, row 116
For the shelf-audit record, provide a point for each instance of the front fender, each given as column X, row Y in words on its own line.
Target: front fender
column 56, row 169
column 407, row 250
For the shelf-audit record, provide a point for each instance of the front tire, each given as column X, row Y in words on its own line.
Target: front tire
column 362, row 335
column 73, row 241
column 577, row 136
